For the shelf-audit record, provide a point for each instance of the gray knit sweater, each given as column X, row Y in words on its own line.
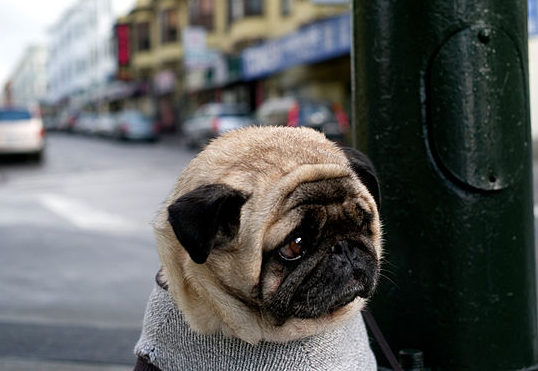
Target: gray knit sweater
column 168, row 343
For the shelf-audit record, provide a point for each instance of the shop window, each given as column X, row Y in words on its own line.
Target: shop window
column 143, row 36
column 238, row 9
column 201, row 13
column 253, row 7
column 285, row 7
column 169, row 26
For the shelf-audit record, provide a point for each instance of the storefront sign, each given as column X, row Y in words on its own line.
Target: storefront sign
column 122, row 37
column 316, row 42
column 196, row 52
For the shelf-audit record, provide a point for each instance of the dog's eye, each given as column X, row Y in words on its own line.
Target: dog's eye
column 293, row 250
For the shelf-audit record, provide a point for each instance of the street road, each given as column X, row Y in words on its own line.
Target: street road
column 77, row 252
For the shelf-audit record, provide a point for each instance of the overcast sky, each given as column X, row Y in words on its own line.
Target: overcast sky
column 24, row 22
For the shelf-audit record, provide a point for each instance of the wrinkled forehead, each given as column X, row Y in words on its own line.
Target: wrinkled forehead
column 332, row 198
column 319, row 192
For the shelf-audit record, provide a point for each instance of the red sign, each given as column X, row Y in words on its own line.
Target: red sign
column 122, row 36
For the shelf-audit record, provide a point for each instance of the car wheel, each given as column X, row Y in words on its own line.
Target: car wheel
column 191, row 143
column 118, row 135
column 37, row 156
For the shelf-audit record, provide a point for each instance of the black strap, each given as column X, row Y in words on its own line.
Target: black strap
column 385, row 348
column 161, row 281
column 143, row 364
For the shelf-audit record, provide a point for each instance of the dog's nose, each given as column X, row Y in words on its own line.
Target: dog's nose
column 344, row 251
column 354, row 252
column 352, row 259
column 351, row 249
column 338, row 248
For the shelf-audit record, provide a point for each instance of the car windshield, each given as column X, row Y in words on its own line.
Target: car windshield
column 239, row 114
column 223, row 110
column 233, row 111
column 14, row 115
column 134, row 117
column 316, row 113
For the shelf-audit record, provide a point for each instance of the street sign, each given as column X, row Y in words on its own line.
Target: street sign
column 197, row 54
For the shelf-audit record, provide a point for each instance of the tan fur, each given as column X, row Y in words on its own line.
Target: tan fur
column 267, row 164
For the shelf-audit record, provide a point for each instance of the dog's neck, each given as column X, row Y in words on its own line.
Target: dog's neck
column 168, row 342
column 254, row 305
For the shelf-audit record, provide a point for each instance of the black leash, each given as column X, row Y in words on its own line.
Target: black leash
column 385, row 348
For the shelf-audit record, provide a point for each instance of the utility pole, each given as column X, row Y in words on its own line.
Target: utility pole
column 441, row 106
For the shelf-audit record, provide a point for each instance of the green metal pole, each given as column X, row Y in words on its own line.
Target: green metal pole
column 441, row 106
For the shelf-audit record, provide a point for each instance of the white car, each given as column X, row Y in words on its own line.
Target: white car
column 106, row 124
column 21, row 132
column 213, row 119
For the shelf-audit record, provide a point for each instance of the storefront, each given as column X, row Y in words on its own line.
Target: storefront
column 312, row 62
column 164, row 90
column 219, row 81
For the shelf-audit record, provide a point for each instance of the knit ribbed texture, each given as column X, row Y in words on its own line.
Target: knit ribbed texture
column 169, row 343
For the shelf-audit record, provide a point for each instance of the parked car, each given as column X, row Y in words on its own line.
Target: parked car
column 133, row 125
column 50, row 122
column 212, row 119
column 86, row 123
column 21, row 132
column 291, row 111
column 106, row 124
column 67, row 121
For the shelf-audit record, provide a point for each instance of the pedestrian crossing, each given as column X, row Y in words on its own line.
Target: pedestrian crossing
column 59, row 211
column 85, row 216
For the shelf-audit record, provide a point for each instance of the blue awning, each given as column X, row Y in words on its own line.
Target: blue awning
column 316, row 42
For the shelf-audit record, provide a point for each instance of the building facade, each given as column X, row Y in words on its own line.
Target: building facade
column 28, row 82
column 81, row 57
column 187, row 52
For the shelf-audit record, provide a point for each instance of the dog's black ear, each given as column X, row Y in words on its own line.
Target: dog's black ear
column 206, row 217
column 362, row 166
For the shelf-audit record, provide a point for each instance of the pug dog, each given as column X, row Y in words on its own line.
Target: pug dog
column 271, row 235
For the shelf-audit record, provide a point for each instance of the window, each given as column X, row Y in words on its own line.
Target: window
column 169, row 26
column 142, row 36
column 285, row 7
column 238, row 9
column 201, row 13
column 253, row 7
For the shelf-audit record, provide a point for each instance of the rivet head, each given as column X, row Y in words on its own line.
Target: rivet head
column 484, row 35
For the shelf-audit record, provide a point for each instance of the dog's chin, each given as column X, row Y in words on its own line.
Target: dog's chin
column 340, row 311
column 326, row 317
column 332, row 309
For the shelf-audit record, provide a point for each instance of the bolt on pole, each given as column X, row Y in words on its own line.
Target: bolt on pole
column 441, row 106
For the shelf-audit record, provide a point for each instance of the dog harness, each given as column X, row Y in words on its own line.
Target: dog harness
column 168, row 344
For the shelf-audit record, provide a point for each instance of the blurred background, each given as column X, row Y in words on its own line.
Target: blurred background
column 162, row 60
column 102, row 104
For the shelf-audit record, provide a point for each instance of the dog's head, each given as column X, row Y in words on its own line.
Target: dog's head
column 272, row 234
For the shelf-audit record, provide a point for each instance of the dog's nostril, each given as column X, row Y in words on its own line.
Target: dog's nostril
column 337, row 248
